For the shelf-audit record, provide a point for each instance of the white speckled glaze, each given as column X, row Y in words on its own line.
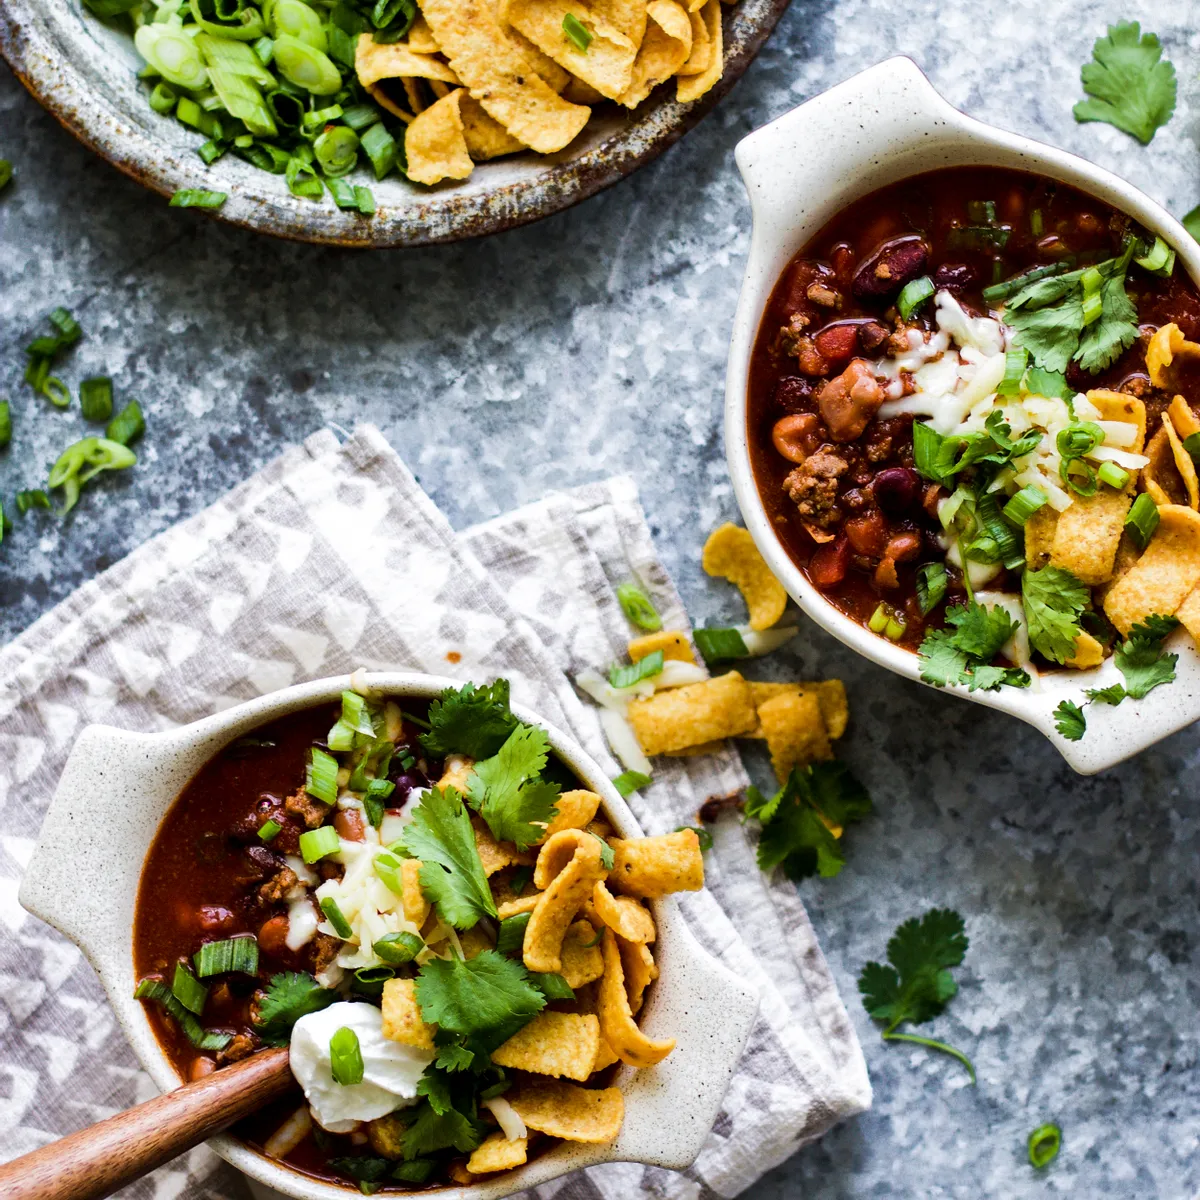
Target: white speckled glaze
column 114, row 792
column 878, row 127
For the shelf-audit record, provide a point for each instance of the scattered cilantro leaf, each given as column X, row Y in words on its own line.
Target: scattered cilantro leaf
column 942, row 662
column 507, row 793
column 432, row 1131
column 916, row 984
column 1140, row 657
column 1113, row 694
column 980, row 631
column 962, row 654
column 1053, row 599
column 608, row 856
column 1105, row 340
column 454, row 1057
column 485, row 1000
column 1070, row 721
column 290, row 996
column 436, row 1089
column 440, row 835
column 471, row 720
column 802, row 824
column 1130, row 84
column 1050, row 334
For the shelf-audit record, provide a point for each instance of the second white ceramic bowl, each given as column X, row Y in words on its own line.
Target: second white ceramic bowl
column 114, row 792
column 879, row 127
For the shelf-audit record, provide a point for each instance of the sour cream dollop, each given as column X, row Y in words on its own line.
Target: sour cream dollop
column 390, row 1070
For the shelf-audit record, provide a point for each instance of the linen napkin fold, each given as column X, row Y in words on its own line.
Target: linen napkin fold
column 330, row 558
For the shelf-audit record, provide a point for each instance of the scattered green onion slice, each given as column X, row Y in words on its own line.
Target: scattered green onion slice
column 369, row 981
column 1010, row 287
column 932, row 581
column 720, row 645
column 1142, row 520
column 913, row 294
column 895, row 628
column 233, row 954
column 127, row 425
column 187, row 990
column 364, row 200
column 31, row 498
column 333, row 914
column 95, row 398
column 1037, row 224
column 553, row 987
column 645, row 668
column 196, row 198
column 1159, row 259
column 306, row 66
column 337, row 152
column 702, row 835
column 1016, row 360
column 1079, row 439
column 398, row 948
column 387, row 868
column 269, row 830
column 630, row 781
column 82, row 461
column 511, row 936
column 1092, row 282
column 316, row 844
column 321, row 776
column 1113, row 475
column 156, row 990
column 163, row 98
column 380, row 147
column 345, row 1057
column 638, row 609
column 172, row 53
column 1024, row 504
column 879, row 618
column 576, row 33
column 1044, row 1144
column 295, row 19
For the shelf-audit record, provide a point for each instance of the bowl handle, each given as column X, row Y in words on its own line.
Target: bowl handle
column 836, row 133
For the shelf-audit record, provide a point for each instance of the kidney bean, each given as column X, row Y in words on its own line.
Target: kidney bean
column 890, row 268
column 849, row 401
column 795, row 437
column 794, row 393
column 829, row 563
column 885, row 574
column 1053, row 246
column 904, row 547
column 872, row 335
column 868, row 533
column 837, row 343
column 955, row 277
column 895, row 489
column 272, row 935
column 841, row 257
column 349, row 824
column 1089, row 224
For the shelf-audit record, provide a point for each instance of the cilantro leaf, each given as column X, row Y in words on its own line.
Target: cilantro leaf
column 1053, row 599
column 470, row 720
column 436, row 1089
column 290, row 996
column 986, row 678
column 963, row 655
column 1105, row 340
column 485, row 1000
column 980, row 631
column 432, row 1131
column 440, row 835
column 942, row 662
column 916, row 984
column 1130, row 84
column 1113, row 694
column 507, row 793
column 1140, row 657
column 1050, row 334
column 1070, row 721
column 797, row 834
column 362, row 1168
column 454, row 1057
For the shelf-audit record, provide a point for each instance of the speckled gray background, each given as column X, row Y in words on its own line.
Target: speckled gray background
column 594, row 343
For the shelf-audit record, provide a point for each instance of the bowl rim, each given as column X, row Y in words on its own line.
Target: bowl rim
column 874, row 96
column 146, row 754
column 434, row 216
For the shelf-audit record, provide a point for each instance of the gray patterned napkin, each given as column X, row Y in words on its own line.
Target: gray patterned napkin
column 333, row 558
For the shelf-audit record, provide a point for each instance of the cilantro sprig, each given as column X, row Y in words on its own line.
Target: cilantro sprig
column 507, row 792
column 1053, row 600
column 916, row 985
column 964, row 653
column 290, row 996
column 475, row 721
column 1130, row 84
column 798, row 822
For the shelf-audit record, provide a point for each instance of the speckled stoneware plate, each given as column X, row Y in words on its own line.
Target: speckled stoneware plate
column 883, row 125
column 84, row 73
column 115, row 790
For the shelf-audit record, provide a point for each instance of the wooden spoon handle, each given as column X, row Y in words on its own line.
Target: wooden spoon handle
column 98, row 1160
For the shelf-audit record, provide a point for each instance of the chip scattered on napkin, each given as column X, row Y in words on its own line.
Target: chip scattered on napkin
column 333, row 558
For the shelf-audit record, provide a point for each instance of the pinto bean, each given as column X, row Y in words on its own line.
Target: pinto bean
column 829, row 563
column 795, row 437
column 885, row 574
column 272, row 935
column 868, row 534
column 904, row 547
column 849, row 401
column 349, row 825
column 841, row 258
column 891, row 267
column 200, row 1067
column 932, row 498
column 837, row 343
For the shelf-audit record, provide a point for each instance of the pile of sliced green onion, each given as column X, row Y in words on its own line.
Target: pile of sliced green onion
column 272, row 83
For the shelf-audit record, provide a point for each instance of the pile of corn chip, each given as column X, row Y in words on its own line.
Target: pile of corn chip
column 477, row 79
column 587, row 922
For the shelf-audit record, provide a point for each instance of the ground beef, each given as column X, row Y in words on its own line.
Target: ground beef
column 813, row 488
column 241, row 1046
column 311, row 812
column 324, row 950
column 274, row 890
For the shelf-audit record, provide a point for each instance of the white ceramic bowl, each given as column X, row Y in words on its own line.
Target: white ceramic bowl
column 117, row 786
column 881, row 126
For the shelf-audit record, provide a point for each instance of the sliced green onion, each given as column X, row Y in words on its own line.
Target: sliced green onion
column 196, row 198
column 978, row 237
column 879, row 618
column 306, row 66
column 269, row 830
column 320, row 776
column 340, row 737
column 576, row 33
column 1079, row 439
column 369, row 981
column 981, row 212
column 1024, row 504
column 1010, row 287
column 95, row 398
column 1142, row 520
column 246, row 25
column 364, row 200
column 387, row 867
column 1159, row 259
column 163, row 99
column 316, row 844
column 211, row 151
column 933, row 454
column 190, row 113
column 293, row 18
column 380, row 147
column 172, row 53
column 932, row 581
column 1044, row 1144
column 913, row 294
column 127, row 425
column 1079, row 475
column 342, row 191
column 644, row 668
column 82, row 461
column 233, row 954
column 156, row 990
column 1191, row 222
column 6, row 173
column 1113, row 475
column 1016, row 359
column 638, row 609
column 1037, row 224
column 720, row 645
column 398, row 948
column 629, row 782
column 314, row 122
column 287, row 108
column 895, row 628
column 387, row 11
column 345, row 1057
column 333, row 914
column 302, row 180
column 264, row 50
column 1092, row 282
column 702, row 836
column 34, row 498
column 1040, row 382
column 190, row 993
column 511, row 937
column 553, row 987
column 5, row 423
column 361, row 116
column 357, row 713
